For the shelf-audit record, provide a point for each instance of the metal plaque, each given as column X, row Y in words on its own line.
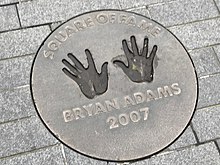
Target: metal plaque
column 114, row 85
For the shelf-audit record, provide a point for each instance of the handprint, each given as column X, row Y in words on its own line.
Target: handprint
column 140, row 66
column 89, row 80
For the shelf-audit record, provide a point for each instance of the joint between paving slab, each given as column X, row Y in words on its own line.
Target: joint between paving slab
column 9, row 58
column 15, row 120
column 194, row 133
column 18, row 15
column 216, row 56
column 210, row 106
column 216, row 6
column 191, row 22
column 9, row 4
column 208, row 46
column 27, row 152
column 14, row 88
column 210, row 75
column 26, row 27
column 217, row 146
column 63, row 155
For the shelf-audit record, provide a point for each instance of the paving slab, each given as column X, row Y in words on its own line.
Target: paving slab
column 143, row 11
column 136, row 3
column 4, row 2
column 206, row 154
column 75, row 158
column 198, row 34
column 15, row 104
column 46, row 156
column 186, row 139
column 8, row 18
column 24, row 135
column 206, row 123
column 205, row 61
column 41, row 12
column 16, row 72
column 22, row 42
column 209, row 91
column 182, row 11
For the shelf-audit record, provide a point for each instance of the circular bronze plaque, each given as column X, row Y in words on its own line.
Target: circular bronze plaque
column 114, row 85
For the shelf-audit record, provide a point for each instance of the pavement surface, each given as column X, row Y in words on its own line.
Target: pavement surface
column 24, row 25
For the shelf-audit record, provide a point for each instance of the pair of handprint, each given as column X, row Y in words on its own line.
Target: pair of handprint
column 92, row 83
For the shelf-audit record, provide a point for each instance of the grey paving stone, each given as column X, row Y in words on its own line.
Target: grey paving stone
column 217, row 51
column 206, row 154
column 24, row 135
column 46, row 156
column 75, row 158
column 15, row 104
column 8, row 18
column 205, row 61
column 4, row 2
column 186, row 139
column 206, row 123
column 41, row 12
column 182, row 11
column 16, row 72
column 135, row 3
column 198, row 34
column 22, row 42
column 209, row 91
column 142, row 11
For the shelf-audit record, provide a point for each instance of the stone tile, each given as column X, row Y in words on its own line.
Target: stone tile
column 8, row 18
column 24, row 135
column 142, row 11
column 206, row 123
column 186, row 139
column 135, row 3
column 205, row 61
column 209, row 91
column 182, row 11
column 15, row 104
column 196, row 155
column 47, row 156
column 198, row 34
column 41, row 12
column 16, row 72
column 75, row 158
column 22, row 42
column 4, row 2
column 217, row 51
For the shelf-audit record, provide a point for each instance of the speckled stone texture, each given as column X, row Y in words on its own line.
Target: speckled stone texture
column 198, row 34
column 206, row 123
column 41, row 12
column 205, row 61
column 22, row 42
column 16, row 103
column 182, row 11
column 206, row 154
column 9, row 18
column 24, row 135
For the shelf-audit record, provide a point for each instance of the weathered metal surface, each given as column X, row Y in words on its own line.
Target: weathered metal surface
column 114, row 85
